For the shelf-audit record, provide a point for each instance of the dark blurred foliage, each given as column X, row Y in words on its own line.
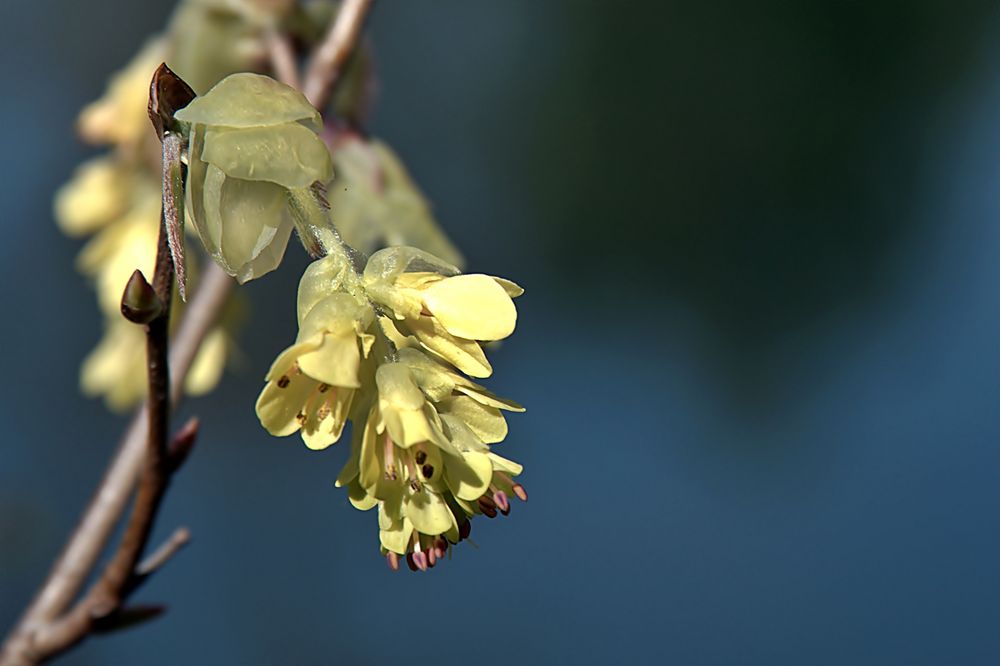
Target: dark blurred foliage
column 757, row 161
column 757, row 347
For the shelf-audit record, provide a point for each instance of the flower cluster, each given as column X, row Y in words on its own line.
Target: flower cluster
column 115, row 199
column 376, row 203
column 253, row 147
column 389, row 349
column 390, row 343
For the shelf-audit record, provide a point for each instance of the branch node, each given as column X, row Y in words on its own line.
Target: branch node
column 182, row 443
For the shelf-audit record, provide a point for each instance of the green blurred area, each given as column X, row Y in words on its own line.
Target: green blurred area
column 760, row 161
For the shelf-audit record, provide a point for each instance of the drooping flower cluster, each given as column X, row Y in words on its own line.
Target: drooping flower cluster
column 375, row 202
column 387, row 349
column 388, row 343
column 253, row 146
column 115, row 199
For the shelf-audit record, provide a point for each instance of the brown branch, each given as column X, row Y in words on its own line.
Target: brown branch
column 41, row 631
column 180, row 538
column 106, row 595
column 46, row 620
column 329, row 59
column 282, row 58
column 98, row 521
column 150, row 305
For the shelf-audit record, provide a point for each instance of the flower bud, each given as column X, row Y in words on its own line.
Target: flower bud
column 140, row 304
column 252, row 142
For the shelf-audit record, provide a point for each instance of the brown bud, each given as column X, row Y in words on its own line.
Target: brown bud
column 140, row 304
column 168, row 93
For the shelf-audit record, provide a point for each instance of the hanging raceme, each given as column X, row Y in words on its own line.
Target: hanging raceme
column 385, row 346
column 387, row 343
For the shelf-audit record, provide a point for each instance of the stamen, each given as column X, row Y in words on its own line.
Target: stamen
column 323, row 388
column 421, row 457
column 440, row 547
column 410, row 563
column 393, row 560
column 521, row 493
column 487, row 506
column 420, row 559
column 283, row 381
column 390, row 458
column 428, row 471
column 412, row 469
column 431, row 557
column 500, row 497
column 464, row 530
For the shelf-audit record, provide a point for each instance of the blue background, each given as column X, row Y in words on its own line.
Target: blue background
column 758, row 346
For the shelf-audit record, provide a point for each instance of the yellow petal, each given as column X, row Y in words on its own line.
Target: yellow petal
column 208, row 363
column 369, row 467
column 250, row 100
column 321, row 278
column 486, row 422
column 502, row 464
column 278, row 407
column 428, row 512
column 285, row 363
column 485, row 397
column 512, row 288
column 397, row 389
column 116, row 367
column 409, row 427
column 288, row 155
column 397, row 540
column 334, row 362
column 468, row 476
column 252, row 215
column 325, row 417
column 474, row 307
column 466, row 355
column 359, row 497
column 97, row 194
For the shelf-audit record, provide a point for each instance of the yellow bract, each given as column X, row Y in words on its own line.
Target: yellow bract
column 252, row 146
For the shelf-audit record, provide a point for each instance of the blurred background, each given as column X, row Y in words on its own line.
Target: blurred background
column 758, row 346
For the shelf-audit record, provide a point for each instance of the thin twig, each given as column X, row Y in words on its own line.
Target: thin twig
column 328, row 61
column 180, row 538
column 282, row 56
column 97, row 523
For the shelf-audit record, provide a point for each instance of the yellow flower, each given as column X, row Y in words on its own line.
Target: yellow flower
column 99, row 193
column 253, row 152
column 127, row 244
column 446, row 312
column 424, row 466
column 116, row 368
column 311, row 384
column 119, row 117
column 375, row 203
